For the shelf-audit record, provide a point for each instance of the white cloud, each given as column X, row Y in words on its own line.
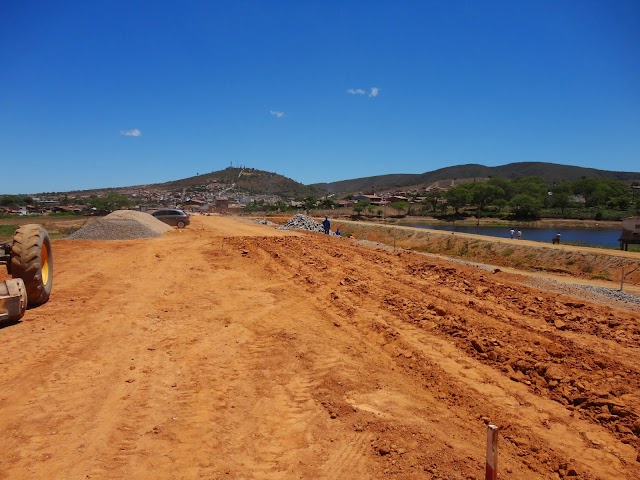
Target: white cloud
column 131, row 133
column 373, row 91
column 276, row 114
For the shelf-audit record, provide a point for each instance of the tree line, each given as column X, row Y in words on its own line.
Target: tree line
column 531, row 197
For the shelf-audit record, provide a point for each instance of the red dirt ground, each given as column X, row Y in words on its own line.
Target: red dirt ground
column 233, row 350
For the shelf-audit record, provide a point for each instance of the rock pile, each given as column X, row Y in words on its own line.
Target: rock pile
column 303, row 222
column 122, row 225
column 263, row 222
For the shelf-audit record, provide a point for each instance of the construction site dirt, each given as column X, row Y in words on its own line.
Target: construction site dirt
column 235, row 350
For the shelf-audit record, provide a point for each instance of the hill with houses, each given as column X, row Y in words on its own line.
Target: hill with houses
column 236, row 188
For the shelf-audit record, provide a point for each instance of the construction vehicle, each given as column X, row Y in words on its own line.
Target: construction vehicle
column 29, row 261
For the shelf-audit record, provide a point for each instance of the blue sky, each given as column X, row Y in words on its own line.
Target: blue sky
column 109, row 94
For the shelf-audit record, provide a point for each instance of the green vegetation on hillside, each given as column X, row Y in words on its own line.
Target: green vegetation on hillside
column 550, row 172
column 529, row 198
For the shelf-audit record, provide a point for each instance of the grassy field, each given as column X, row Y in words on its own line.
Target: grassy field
column 57, row 226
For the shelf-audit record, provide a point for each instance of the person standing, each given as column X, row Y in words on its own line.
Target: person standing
column 519, row 234
column 513, row 232
column 326, row 224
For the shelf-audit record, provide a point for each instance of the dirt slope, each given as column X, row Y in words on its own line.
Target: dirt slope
column 232, row 350
column 588, row 263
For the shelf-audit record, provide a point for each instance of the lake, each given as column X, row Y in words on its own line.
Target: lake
column 604, row 237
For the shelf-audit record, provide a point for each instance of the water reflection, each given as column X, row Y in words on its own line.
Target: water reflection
column 604, row 237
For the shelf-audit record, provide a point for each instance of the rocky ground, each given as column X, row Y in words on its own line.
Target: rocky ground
column 235, row 350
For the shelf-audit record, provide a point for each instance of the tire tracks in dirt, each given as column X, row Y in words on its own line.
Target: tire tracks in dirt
column 209, row 353
column 621, row 457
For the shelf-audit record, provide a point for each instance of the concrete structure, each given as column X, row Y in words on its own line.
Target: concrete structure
column 630, row 232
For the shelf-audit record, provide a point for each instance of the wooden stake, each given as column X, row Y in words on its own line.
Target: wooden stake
column 492, row 453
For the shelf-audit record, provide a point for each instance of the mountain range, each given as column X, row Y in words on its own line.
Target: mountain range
column 550, row 172
column 259, row 182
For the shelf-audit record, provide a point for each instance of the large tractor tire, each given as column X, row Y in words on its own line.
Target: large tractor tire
column 32, row 261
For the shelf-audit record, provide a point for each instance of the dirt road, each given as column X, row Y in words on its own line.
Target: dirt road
column 233, row 350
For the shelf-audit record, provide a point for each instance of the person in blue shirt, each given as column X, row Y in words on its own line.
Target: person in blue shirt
column 326, row 224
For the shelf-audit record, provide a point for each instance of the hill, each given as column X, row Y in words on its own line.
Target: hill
column 259, row 182
column 249, row 180
column 228, row 181
column 551, row 172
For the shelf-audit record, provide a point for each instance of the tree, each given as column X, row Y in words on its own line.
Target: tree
column 255, row 206
column 561, row 195
column 534, row 187
column 500, row 204
column 504, row 184
column 113, row 201
column 400, row 207
column 432, row 198
column 361, row 205
column 283, row 206
column 309, row 203
column 598, row 191
column 458, row 197
column 484, row 193
column 620, row 203
column 9, row 201
column 525, row 207
column 327, row 203
column 599, row 196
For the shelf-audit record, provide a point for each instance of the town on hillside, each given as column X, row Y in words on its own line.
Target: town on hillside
column 246, row 190
column 211, row 198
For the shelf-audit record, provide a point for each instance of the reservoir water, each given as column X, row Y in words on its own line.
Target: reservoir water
column 604, row 237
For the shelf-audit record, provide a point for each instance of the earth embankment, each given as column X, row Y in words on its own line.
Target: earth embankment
column 234, row 350
column 566, row 260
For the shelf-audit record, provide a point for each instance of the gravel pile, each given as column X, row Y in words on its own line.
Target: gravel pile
column 263, row 222
column 303, row 222
column 583, row 291
column 588, row 292
column 122, row 225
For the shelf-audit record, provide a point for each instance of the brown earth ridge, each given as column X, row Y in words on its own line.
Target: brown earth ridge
column 235, row 350
column 568, row 261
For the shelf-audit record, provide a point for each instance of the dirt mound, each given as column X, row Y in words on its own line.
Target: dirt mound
column 122, row 225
